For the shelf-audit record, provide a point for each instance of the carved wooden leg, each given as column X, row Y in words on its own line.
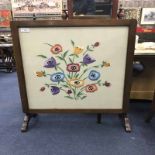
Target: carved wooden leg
column 99, row 116
column 126, row 122
column 25, row 124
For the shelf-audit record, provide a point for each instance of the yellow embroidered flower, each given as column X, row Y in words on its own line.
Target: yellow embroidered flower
column 78, row 50
column 76, row 83
column 40, row 74
column 105, row 64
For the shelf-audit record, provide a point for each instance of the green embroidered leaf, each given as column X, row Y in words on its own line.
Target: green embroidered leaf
column 65, row 86
column 76, row 55
column 85, row 71
column 69, row 76
column 82, row 64
column 72, row 42
column 89, row 49
column 98, row 81
column 69, row 97
column 72, row 55
column 85, row 78
column 42, row 56
column 74, row 91
column 60, row 58
column 76, row 75
column 96, row 66
column 47, row 85
column 79, row 94
column 83, row 97
column 65, row 54
column 70, row 60
column 99, row 84
column 49, row 44
column 56, row 68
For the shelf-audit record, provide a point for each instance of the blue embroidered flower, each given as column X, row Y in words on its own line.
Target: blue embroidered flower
column 50, row 63
column 94, row 75
column 88, row 60
column 57, row 77
column 55, row 90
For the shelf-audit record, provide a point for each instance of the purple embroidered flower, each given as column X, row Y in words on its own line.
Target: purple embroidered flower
column 88, row 60
column 55, row 90
column 50, row 63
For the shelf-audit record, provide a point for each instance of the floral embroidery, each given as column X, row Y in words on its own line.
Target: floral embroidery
column 57, row 77
column 69, row 92
column 76, row 83
column 77, row 50
column 50, row 63
column 56, row 49
column 96, row 44
column 94, row 75
column 42, row 88
column 55, row 90
column 105, row 64
column 80, row 76
column 107, row 84
column 40, row 74
column 88, row 60
column 91, row 88
column 73, row 67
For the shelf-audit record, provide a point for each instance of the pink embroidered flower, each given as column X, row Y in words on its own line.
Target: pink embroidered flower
column 91, row 88
column 74, row 67
column 56, row 49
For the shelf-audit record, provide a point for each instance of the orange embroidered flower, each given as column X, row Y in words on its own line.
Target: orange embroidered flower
column 56, row 49
column 78, row 50
column 105, row 64
column 91, row 88
column 76, row 83
column 40, row 74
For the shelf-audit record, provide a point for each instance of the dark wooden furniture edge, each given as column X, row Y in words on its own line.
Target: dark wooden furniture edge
column 114, row 8
column 152, row 110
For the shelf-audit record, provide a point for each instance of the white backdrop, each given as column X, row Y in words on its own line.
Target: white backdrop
column 112, row 49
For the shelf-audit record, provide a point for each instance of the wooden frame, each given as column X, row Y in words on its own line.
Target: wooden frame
column 113, row 14
column 146, row 17
column 129, row 24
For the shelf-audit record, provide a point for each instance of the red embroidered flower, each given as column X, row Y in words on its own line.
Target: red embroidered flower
column 91, row 88
column 42, row 88
column 74, row 67
column 96, row 44
column 56, row 49
column 107, row 84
